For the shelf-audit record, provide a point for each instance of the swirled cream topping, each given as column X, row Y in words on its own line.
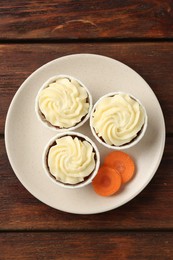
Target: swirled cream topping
column 118, row 119
column 71, row 160
column 64, row 103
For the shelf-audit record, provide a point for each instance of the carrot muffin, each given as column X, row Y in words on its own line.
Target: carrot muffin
column 71, row 159
column 63, row 103
column 118, row 120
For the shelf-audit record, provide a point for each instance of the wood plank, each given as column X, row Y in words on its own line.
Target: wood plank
column 87, row 19
column 151, row 209
column 154, row 61
column 97, row 245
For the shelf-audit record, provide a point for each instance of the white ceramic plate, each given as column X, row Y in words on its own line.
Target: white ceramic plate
column 26, row 137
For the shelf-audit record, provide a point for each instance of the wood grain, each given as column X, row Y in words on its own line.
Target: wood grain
column 153, row 61
column 149, row 210
column 71, row 19
column 97, row 245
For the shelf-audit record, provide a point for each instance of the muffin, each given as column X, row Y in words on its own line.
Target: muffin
column 118, row 120
column 63, row 103
column 71, row 160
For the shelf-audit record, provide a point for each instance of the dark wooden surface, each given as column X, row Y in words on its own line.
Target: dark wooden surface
column 138, row 33
column 70, row 19
column 88, row 245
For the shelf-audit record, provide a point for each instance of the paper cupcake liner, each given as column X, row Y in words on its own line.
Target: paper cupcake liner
column 135, row 140
column 61, row 184
column 41, row 117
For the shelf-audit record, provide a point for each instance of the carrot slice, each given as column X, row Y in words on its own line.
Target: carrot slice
column 107, row 181
column 121, row 162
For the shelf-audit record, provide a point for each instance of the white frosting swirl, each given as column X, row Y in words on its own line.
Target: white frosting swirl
column 64, row 102
column 118, row 119
column 71, row 160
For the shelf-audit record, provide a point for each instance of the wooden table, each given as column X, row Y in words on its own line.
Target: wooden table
column 139, row 34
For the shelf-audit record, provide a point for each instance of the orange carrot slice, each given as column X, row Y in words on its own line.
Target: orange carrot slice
column 107, row 181
column 121, row 162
